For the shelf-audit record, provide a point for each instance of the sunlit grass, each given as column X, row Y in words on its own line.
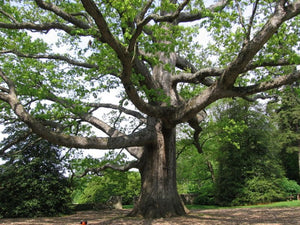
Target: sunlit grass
column 295, row 203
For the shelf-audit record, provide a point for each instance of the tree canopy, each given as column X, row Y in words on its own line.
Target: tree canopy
column 133, row 35
column 167, row 59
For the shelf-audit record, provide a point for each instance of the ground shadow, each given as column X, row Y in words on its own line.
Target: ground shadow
column 196, row 217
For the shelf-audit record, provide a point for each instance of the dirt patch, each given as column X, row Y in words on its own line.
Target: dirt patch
column 274, row 216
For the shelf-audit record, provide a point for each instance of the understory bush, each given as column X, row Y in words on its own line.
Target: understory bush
column 113, row 183
column 206, row 194
column 260, row 190
column 290, row 188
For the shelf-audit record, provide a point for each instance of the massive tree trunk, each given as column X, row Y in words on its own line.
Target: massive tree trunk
column 159, row 196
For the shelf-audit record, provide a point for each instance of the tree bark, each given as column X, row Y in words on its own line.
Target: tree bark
column 159, row 196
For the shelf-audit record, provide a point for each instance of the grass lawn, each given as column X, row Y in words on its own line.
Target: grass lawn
column 294, row 203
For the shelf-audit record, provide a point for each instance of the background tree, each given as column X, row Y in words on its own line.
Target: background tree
column 32, row 180
column 143, row 49
column 249, row 166
column 287, row 114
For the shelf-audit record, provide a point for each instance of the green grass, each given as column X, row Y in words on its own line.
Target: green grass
column 275, row 204
column 295, row 203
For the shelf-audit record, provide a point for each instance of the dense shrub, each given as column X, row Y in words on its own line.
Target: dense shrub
column 259, row 190
column 290, row 188
column 32, row 183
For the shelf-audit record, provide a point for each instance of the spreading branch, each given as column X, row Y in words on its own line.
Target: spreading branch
column 139, row 138
column 267, row 85
column 249, row 50
column 43, row 27
column 51, row 56
column 213, row 93
column 96, row 122
column 202, row 75
column 261, row 96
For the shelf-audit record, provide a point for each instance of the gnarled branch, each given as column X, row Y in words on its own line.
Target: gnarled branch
column 195, row 124
column 66, row 16
column 200, row 76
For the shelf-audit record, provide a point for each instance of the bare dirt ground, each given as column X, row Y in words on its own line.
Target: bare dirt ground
column 271, row 216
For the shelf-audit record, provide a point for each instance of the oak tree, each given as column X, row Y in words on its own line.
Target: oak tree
column 169, row 59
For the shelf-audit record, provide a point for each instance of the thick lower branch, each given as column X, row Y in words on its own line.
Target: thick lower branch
column 139, row 138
